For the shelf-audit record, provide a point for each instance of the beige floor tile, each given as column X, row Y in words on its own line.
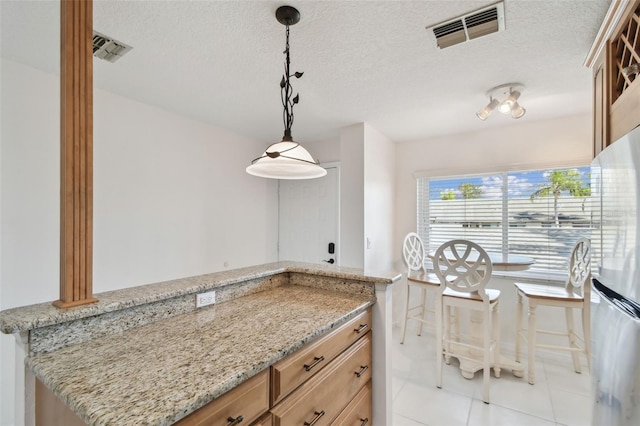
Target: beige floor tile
column 432, row 406
column 562, row 376
column 399, row 420
column 571, row 409
column 494, row 415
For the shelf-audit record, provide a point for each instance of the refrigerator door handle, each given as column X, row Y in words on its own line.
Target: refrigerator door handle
column 628, row 306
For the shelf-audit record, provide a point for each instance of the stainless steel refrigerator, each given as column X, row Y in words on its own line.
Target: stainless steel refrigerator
column 615, row 304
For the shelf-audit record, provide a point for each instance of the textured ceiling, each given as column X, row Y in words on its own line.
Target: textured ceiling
column 221, row 61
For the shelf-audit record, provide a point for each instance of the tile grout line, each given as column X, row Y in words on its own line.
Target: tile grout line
column 553, row 406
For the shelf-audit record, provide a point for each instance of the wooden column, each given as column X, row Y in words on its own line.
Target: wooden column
column 76, row 153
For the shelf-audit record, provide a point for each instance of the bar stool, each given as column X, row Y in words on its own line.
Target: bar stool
column 465, row 269
column 418, row 278
column 576, row 294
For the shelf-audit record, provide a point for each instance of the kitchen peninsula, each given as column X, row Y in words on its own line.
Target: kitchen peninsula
column 146, row 355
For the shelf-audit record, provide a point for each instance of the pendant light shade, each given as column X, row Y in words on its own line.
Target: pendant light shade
column 286, row 159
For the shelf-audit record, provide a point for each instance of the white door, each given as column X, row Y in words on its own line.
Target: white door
column 308, row 219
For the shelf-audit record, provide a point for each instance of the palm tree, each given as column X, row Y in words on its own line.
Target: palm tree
column 557, row 182
column 447, row 194
column 470, row 191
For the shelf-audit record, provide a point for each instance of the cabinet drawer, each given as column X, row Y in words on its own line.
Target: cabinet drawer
column 249, row 400
column 323, row 397
column 358, row 412
column 297, row 368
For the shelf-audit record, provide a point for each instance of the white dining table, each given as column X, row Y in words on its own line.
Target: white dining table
column 510, row 262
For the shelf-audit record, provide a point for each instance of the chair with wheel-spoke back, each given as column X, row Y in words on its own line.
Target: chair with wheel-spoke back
column 575, row 294
column 419, row 279
column 465, row 268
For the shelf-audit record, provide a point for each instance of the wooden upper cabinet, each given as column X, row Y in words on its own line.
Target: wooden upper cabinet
column 624, row 68
column 616, row 85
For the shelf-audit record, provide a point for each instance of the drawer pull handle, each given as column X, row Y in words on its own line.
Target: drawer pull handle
column 316, row 360
column 363, row 368
column 364, row 421
column 361, row 328
column 233, row 422
column 315, row 419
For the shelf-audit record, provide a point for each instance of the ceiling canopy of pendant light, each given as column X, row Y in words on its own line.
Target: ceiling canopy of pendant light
column 505, row 98
column 286, row 159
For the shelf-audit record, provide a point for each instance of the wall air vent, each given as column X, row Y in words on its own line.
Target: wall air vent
column 105, row 47
column 467, row 27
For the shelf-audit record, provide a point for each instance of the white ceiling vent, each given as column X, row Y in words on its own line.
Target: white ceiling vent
column 472, row 25
column 105, row 47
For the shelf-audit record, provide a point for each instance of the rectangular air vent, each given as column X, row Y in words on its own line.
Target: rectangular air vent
column 467, row 27
column 107, row 48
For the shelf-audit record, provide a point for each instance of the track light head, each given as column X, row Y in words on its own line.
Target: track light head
column 517, row 111
column 509, row 93
column 507, row 105
column 485, row 112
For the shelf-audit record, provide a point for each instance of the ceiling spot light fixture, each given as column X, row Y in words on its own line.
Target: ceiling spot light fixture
column 286, row 159
column 509, row 93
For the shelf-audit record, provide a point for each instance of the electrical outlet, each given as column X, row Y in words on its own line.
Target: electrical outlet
column 205, row 299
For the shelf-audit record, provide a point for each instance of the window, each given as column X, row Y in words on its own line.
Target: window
column 539, row 213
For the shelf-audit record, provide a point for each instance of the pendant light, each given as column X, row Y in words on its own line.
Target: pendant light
column 286, row 159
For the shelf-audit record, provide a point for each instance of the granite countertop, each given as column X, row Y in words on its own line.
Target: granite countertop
column 160, row 372
column 25, row 318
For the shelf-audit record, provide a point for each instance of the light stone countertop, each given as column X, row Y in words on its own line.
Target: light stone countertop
column 158, row 373
column 40, row 315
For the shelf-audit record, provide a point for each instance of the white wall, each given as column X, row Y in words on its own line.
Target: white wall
column 379, row 199
column 326, row 151
column 178, row 195
column 352, row 196
column 29, row 215
column 171, row 198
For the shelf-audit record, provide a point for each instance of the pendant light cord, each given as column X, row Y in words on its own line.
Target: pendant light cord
column 286, row 91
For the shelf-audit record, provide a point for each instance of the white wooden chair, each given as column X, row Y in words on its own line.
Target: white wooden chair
column 465, row 268
column 418, row 278
column 575, row 294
